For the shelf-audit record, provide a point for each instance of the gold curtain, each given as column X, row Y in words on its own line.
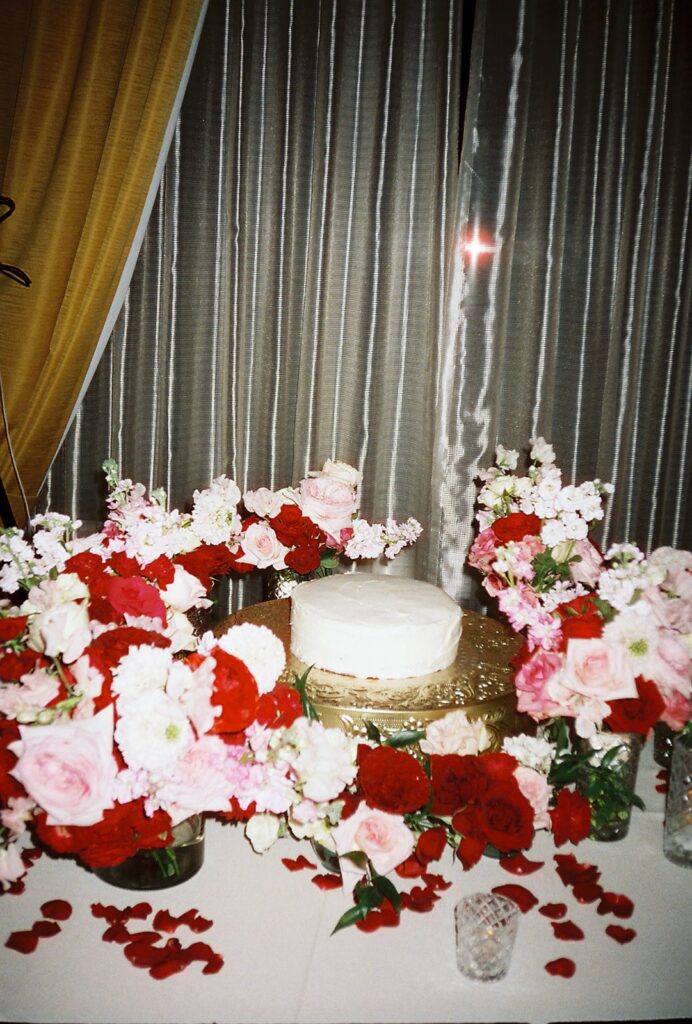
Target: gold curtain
column 86, row 96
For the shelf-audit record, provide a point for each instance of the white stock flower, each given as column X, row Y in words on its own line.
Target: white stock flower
column 260, row 650
column 541, row 451
column 506, row 458
column 215, row 518
column 264, row 502
column 531, row 751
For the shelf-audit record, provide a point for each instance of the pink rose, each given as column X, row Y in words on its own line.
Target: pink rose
column 532, row 684
column 677, row 710
column 329, row 503
column 597, row 668
column 589, row 568
column 261, row 547
column 384, row 839
column 674, row 662
column 68, row 769
column 535, row 788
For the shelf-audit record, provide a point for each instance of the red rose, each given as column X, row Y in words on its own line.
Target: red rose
column 637, row 714
column 161, row 571
column 280, row 707
column 86, row 565
column 235, row 692
column 571, row 817
column 12, row 627
column 516, row 526
column 431, row 845
column 456, row 781
column 581, row 620
column 123, row 565
column 14, row 666
column 206, row 561
column 505, row 817
column 303, row 560
column 294, row 529
column 123, row 831
column 122, row 596
column 393, row 781
column 9, row 733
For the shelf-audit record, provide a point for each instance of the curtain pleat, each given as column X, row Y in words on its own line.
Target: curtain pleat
column 576, row 173
column 287, row 303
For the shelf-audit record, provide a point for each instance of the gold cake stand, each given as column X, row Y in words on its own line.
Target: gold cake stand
column 479, row 682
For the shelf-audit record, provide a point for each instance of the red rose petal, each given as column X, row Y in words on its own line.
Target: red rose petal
column 298, row 864
column 30, row 855
column 553, row 910
column 563, row 967
column 195, row 922
column 410, row 868
column 22, row 942
column 140, row 911
column 520, row 865
column 198, row 951
column 214, row 965
column 165, row 922
column 16, row 888
column 436, row 882
column 56, row 910
column 567, row 931
column 616, row 904
column 117, row 932
column 45, row 929
column 571, row 871
column 620, row 934
column 419, row 899
column 326, row 882
column 587, row 892
column 106, row 912
column 521, row 896
column 145, row 954
column 173, row 965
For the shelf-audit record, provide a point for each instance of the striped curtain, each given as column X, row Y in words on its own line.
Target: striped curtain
column 322, row 277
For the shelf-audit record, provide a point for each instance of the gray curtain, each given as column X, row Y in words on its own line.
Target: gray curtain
column 305, row 289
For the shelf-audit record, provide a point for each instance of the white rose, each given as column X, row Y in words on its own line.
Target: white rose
column 185, row 592
column 62, row 630
column 264, row 502
column 263, row 830
column 51, row 593
column 341, row 471
column 261, row 547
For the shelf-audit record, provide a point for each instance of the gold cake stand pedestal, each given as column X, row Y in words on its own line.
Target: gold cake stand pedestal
column 479, row 682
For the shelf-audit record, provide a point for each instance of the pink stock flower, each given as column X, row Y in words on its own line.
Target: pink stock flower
column 677, row 710
column 482, row 553
column 589, row 568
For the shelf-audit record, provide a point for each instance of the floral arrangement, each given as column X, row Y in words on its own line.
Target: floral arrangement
column 117, row 722
column 607, row 637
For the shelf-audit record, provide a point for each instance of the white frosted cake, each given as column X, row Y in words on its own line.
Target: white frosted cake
column 375, row 627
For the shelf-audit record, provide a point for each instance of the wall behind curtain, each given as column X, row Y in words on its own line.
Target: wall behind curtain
column 288, row 301
column 576, row 168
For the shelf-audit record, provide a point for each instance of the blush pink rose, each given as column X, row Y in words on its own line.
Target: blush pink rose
column 535, row 788
column 532, row 683
column 261, row 547
column 328, row 502
column 384, row 839
column 68, row 769
column 597, row 668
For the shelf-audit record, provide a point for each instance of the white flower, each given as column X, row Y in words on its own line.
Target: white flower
column 215, row 518
column 506, row 458
column 323, row 759
column 456, row 734
column 143, row 669
column 153, row 731
column 541, row 451
column 530, row 751
column 185, row 592
column 264, row 502
column 61, row 631
column 340, row 471
column 50, row 593
column 263, row 830
column 260, row 650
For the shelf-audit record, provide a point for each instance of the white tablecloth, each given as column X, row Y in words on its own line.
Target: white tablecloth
column 281, row 964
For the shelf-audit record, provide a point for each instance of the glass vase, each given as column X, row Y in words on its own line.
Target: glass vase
column 677, row 838
column 607, row 827
column 164, row 867
column 663, row 744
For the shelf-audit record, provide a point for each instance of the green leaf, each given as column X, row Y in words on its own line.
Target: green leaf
column 358, row 858
column 300, row 684
column 388, row 890
column 372, row 732
column 404, row 738
column 368, row 896
column 352, row 915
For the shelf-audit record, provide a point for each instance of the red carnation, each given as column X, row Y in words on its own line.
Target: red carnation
column 206, row 561
column 118, row 596
column 12, row 627
column 393, row 781
column 516, row 526
column 581, row 620
column 280, row 707
column 235, row 692
column 456, row 781
column 86, row 565
column 571, row 817
column 122, row 831
column 110, row 647
column 14, row 666
column 637, row 714
column 160, row 571
column 124, row 565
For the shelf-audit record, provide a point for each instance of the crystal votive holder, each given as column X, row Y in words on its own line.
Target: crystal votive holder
column 486, row 927
column 677, row 837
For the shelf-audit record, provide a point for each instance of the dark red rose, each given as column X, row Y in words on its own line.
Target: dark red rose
column 456, row 781
column 637, row 714
column 498, row 766
column 123, row 831
column 470, row 851
column 86, row 565
column 12, row 627
column 303, row 559
column 295, row 530
column 506, row 817
column 516, row 526
column 235, row 692
column 431, row 845
column 393, row 781
column 125, row 596
column 571, row 817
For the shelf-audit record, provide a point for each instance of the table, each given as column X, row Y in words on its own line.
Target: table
column 281, row 964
